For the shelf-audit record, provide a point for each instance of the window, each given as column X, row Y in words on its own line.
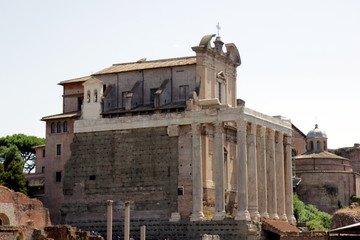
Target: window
column 325, row 145
column 219, row 91
column 183, row 92
column 80, row 102
column 318, row 145
column 180, row 191
column 58, row 149
column 42, row 169
column 65, row 127
column 58, row 177
column 311, row 146
column 95, row 95
column 58, row 128
column 43, row 152
column 152, row 94
column 53, row 127
column 92, row 177
column 88, row 96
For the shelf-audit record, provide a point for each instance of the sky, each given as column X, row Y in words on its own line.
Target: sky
column 300, row 59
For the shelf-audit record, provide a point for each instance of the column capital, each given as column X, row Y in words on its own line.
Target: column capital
column 241, row 125
column 287, row 140
column 196, row 128
column 261, row 131
column 270, row 133
column 219, row 127
column 252, row 129
column 109, row 202
column 279, row 137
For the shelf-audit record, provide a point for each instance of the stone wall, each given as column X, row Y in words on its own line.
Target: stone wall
column 21, row 211
column 138, row 165
column 156, row 229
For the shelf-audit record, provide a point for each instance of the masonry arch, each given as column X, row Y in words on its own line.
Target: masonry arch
column 4, row 220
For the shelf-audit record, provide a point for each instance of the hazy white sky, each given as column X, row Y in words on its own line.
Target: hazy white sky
column 300, row 59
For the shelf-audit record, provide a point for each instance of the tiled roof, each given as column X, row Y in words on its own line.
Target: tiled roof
column 75, row 80
column 61, row 115
column 278, row 226
column 140, row 65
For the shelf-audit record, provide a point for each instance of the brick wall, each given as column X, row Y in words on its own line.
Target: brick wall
column 138, row 165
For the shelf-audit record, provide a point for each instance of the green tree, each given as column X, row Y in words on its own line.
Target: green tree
column 11, row 169
column 25, row 145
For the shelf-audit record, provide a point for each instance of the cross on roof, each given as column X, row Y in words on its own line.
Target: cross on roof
column 218, row 29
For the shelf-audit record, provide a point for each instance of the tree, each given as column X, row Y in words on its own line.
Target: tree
column 25, row 145
column 11, row 169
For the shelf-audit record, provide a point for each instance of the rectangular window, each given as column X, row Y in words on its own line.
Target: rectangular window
column 43, row 152
column 58, row 149
column 58, row 177
column 183, row 92
column 152, row 94
column 42, row 169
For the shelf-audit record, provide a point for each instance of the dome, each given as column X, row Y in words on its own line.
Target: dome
column 316, row 133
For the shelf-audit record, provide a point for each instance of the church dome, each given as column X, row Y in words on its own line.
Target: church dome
column 316, row 133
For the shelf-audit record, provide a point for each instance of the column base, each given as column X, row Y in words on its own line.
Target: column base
column 274, row 216
column 219, row 215
column 264, row 215
column 198, row 216
column 175, row 217
column 255, row 216
column 243, row 215
column 283, row 217
column 292, row 220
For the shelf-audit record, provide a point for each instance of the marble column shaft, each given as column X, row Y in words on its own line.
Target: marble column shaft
column 242, row 175
column 219, row 172
column 271, row 174
column 288, row 182
column 109, row 219
column 127, row 221
column 252, row 171
column 262, row 182
column 197, row 186
column 280, row 175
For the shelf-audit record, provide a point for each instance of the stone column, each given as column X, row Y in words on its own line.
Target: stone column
column 197, row 186
column 242, row 176
column 280, row 175
column 109, row 219
column 288, row 182
column 127, row 221
column 219, row 172
column 261, row 167
column 271, row 174
column 252, row 170
column 143, row 232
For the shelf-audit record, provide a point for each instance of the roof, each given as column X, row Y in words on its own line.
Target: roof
column 38, row 146
column 61, row 116
column 278, row 226
column 316, row 133
column 140, row 65
column 75, row 80
column 324, row 154
column 352, row 228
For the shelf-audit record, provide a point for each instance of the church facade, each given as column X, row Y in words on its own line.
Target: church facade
column 170, row 137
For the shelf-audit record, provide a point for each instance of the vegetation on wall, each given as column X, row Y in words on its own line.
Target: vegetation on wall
column 314, row 219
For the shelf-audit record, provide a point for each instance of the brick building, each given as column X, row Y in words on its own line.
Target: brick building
column 170, row 137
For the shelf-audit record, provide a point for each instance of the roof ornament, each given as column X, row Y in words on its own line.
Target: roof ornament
column 218, row 28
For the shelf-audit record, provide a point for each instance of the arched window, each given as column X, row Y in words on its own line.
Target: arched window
column 4, row 220
column 53, row 127
column 88, row 96
column 311, row 145
column 65, row 126
column 318, row 146
column 58, row 129
column 95, row 96
column 325, row 147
